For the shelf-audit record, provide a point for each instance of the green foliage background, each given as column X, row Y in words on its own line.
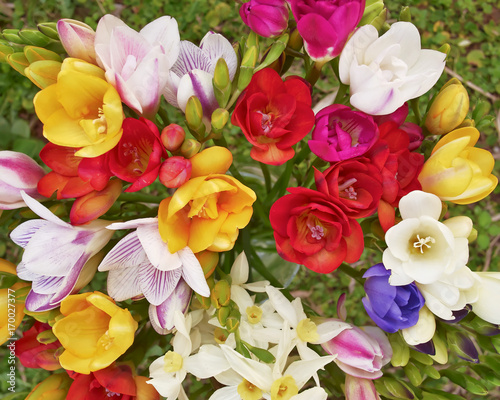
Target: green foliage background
column 470, row 27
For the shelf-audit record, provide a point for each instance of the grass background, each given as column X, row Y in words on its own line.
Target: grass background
column 470, row 27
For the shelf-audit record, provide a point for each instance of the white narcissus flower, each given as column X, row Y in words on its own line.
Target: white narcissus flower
column 432, row 254
column 137, row 63
column 58, row 258
column 141, row 265
column 168, row 372
column 249, row 379
column 193, row 72
column 384, row 72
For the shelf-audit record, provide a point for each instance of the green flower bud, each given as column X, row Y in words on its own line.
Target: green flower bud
column 34, row 37
column 397, row 389
column 49, row 29
column 295, row 42
column 43, row 73
column 413, row 374
column 18, row 61
column 205, row 302
column 222, row 315
column 372, row 11
column 46, row 337
column 34, row 53
column 441, row 348
column 220, row 335
column 222, row 83
column 220, row 117
column 405, row 14
column 12, row 35
column 221, row 294
column 194, row 117
column 4, row 51
column 55, row 387
column 445, row 48
column 400, row 350
column 275, row 53
column 233, row 321
column 190, row 147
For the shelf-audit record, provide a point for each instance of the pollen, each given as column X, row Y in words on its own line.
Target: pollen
column 254, row 314
column 307, row 331
column 248, row 391
column 284, row 388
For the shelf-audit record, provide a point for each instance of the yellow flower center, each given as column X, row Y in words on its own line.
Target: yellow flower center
column 173, row 361
column 423, row 244
column 106, row 341
column 100, row 123
column 284, row 388
column 307, row 331
column 205, row 207
column 248, row 391
column 254, row 314
column 220, row 335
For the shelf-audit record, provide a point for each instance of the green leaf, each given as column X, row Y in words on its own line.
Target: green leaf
column 475, row 57
column 483, row 241
column 20, row 128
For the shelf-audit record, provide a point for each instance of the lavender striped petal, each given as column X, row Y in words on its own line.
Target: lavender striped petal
column 123, row 284
column 47, row 284
column 42, row 211
column 178, row 300
column 156, row 249
column 68, row 284
column 192, row 272
column 190, row 57
column 39, row 302
column 157, row 285
column 22, row 234
column 128, row 252
column 217, row 46
column 24, row 274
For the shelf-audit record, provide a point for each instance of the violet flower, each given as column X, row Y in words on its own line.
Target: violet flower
column 341, row 133
column 391, row 307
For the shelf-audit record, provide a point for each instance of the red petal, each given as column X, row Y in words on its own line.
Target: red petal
column 61, row 159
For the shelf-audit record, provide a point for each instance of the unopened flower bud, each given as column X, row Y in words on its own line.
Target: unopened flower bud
column 12, row 35
column 373, row 9
column 55, row 387
column 194, row 117
column 34, row 37
column 268, row 18
column 445, row 48
column 222, row 83
column 175, row 171
column 77, row 39
column 295, row 42
column 34, row 53
column 219, row 119
column 462, row 344
column 220, row 335
column 405, row 14
column 43, row 73
column 49, row 29
column 448, row 109
column 5, row 50
column 18, row 61
column 221, row 294
column 172, row 137
column 190, row 148
column 208, row 261
column 205, row 302
column 46, row 337
column 233, row 321
column 222, row 315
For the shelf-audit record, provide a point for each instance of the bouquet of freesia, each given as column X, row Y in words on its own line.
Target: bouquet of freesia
column 183, row 185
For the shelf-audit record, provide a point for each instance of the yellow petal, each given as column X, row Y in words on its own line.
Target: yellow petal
column 74, row 363
column 46, row 103
column 113, row 111
column 7, row 266
column 103, row 303
column 74, row 303
column 75, row 64
column 203, row 231
column 174, row 230
column 469, row 132
column 442, row 181
column 214, row 160
column 184, row 194
column 62, row 130
column 98, row 149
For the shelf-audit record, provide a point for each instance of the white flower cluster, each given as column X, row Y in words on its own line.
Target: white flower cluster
column 266, row 334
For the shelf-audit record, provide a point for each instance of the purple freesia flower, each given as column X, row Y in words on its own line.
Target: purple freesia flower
column 342, row 133
column 390, row 307
column 326, row 25
column 267, row 18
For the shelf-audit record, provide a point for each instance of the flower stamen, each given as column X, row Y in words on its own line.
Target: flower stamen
column 420, row 243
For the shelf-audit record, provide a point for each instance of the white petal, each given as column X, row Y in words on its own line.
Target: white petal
column 424, row 329
column 398, row 276
column 208, row 362
column 461, row 226
column 23, row 233
column 282, row 306
column 156, row 249
column 123, row 283
column 42, row 211
column 193, row 273
column 330, row 329
column 314, row 393
column 239, row 270
column 486, row 306
column 164, row 31
column 133, row 224
column 24, row 274
column 303, row 370
column 253, row 371
column 217, row 46
column 127, row 253
column 226, row 393
column 355, row 49
column 417, row 203
column 157, row 285
column 241, row 297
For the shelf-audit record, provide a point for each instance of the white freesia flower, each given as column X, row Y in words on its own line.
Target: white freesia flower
column 432, row 254
column 137, row 63
column 486, row 305
column 249, row 379
column 140, row 264
column 58, row 258
column 423, row 330
column 168, row 372
column 384, row 72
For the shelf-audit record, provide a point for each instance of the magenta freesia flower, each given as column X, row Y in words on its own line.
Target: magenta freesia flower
column 18, row 172
column 341, row 133
column 267, row 18
column 326, row 25
column 360, row 352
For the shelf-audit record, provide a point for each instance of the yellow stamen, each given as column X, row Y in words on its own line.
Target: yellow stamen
column 307, row 331
column 284, row 388
column 248, row 391
column 254, row 314
column 173, row 361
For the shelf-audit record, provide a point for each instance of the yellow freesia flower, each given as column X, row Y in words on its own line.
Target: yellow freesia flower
column 206, row 212
column 94, row 332
column 11, row 307
column 457, row 171
column 81, row 110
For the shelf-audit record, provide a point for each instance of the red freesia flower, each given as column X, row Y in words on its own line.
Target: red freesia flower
column 114, row 382
column 399, row 169
column 274, row 115
column 310, row 228
column 137, row 156
column 356, row 183
column 34, row 353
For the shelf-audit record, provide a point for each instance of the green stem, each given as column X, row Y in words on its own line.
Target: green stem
column 267, row 176
column 294, row 53
column 340, row 93
column 416, row 110
column 233, row 99
column 164, row 116
column 140, row 198
column 348, row 270
column 314, row 72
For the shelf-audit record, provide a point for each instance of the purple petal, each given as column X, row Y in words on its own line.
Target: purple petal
column 178, row 300
column 39, row 302
column 47, row 284
column 68, row 284
column 157, row 285
column 191, row 57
